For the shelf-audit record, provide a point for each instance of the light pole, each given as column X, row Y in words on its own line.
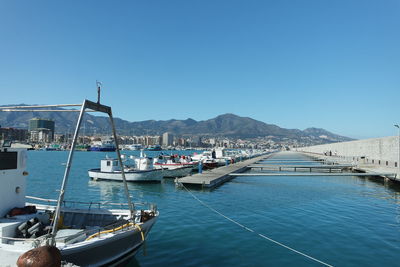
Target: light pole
column 398, row 162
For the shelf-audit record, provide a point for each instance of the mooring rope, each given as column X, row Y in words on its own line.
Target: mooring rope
column 252, row 231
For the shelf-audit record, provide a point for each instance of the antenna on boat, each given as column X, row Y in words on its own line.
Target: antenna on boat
column 98, row 84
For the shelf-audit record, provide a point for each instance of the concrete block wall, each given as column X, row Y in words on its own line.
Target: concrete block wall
column 380, row 151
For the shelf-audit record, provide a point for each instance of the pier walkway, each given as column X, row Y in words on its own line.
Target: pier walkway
column 360, row 174
column 217, row 176
column 279, row 167
column 369, row 169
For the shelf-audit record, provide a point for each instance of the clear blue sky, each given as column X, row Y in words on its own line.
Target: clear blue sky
column 297, row 64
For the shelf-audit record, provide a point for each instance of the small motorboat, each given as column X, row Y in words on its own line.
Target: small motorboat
column 207, row 158
column 103, row 146
column 174, row 165
column 154, row 148
column 141, row 170
column 209, row 163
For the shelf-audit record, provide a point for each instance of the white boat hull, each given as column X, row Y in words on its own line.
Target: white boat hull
column 106, row 251
column 178, row 172
column 131, row 176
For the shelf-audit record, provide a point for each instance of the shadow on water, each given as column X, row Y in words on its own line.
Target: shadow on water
column 389, row 184
column 133, row 262
column 198, row 188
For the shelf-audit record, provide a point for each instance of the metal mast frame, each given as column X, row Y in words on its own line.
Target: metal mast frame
column 92, row 106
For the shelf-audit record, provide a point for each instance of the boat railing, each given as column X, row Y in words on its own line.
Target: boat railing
column 89, row 205
column 90, row 233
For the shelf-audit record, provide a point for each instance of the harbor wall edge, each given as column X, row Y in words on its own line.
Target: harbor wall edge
column 384, row 150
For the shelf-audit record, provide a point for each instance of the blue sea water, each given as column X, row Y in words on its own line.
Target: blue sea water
column 343, row 221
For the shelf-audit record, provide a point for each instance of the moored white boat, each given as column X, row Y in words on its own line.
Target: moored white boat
column 142, row 171
column 134, row 147
column 174, row 165
column 207, row 159
column 103, row 146
column 180, row 171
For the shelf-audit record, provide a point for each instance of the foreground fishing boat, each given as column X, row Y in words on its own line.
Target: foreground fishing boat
column 85, row 236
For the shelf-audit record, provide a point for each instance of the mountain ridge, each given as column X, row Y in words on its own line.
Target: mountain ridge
column 224, row 125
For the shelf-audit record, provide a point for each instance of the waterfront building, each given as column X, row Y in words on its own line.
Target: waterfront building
column 152, row 140
column 167, row 139
column 181, row 141
column 13, row 134
column 196, row 141
column 41, row 130
column 41, row 136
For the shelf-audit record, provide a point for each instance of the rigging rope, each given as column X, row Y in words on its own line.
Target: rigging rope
column 252, row 231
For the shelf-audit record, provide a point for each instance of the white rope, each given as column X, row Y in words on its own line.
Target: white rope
column 251, row 230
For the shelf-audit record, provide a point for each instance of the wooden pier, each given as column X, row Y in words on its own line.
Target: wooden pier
column 217, row 176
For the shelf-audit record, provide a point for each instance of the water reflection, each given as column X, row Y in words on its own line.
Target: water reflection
column 392, row 192
column 112, row 191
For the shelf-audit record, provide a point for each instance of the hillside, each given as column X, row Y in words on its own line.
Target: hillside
column 228, row 125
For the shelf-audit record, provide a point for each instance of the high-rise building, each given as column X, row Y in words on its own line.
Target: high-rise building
column 167, row 139
column 41, row 130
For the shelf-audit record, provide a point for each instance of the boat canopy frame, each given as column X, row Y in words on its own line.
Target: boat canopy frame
column 86, row 106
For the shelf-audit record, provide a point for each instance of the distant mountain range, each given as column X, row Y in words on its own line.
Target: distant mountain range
column 226, row 125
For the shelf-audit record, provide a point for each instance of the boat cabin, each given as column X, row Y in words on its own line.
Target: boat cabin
column 220, row 153
column 109, row 165
column 12, row 176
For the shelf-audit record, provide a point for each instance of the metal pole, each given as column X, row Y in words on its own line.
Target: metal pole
column 398, row 162
column 131, row 207
column 41, row 106
column 41, row 110
column 67, row 170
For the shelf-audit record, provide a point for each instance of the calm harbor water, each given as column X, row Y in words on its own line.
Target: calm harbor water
column 343, row 221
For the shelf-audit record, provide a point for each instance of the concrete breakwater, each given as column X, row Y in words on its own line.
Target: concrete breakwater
column 377, row 154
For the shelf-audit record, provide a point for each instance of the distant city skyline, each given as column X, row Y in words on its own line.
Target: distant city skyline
column 297, row 64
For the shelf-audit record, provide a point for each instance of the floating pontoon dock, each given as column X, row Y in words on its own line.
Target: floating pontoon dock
column 278, row 167
column 313, row 174
column 275, row 167
column 219, row 175
column 291, row 160
column 287, row 161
